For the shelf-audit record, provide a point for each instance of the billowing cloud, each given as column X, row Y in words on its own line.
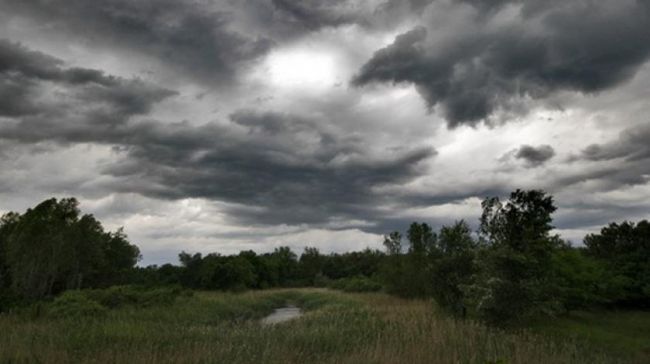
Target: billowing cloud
column 286, row 168
column 631, row 145
column 191, row 36
column 50, row 102
column 314, row 14
column 528, row 50
column 226, row 125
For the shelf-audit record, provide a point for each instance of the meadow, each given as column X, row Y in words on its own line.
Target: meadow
column 337, row 327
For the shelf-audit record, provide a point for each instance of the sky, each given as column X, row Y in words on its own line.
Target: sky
column 228, row 125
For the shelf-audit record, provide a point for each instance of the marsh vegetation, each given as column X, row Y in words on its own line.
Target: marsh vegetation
column 336, row 328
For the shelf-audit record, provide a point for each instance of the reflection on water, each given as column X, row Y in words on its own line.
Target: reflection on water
column 281, row 315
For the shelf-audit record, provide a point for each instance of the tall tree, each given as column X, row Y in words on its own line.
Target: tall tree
column 422, row 240
column 51, row 248
column 515, row 276
column 453, row 266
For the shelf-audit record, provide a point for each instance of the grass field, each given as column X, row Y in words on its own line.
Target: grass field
column 622, row 333
column 337, row 328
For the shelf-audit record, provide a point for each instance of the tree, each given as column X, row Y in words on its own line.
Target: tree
column 625, row 250
column 8, row 223
column 38, row 247
column 286, row 264
column 392, row 270
column 422, row 240
column 393, row 243
column 453, row 266
column 311, row 265
column 584, row 281
column 51, row 248
column 120, row 256
column 515, row 277
column 191, row 276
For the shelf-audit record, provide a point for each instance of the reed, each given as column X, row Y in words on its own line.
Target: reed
column 224, row 328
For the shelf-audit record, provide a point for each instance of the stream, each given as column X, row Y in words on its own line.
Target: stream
column 282, row 314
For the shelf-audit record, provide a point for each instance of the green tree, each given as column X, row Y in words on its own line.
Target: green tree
column 311, row 265
column 51, row 248
column 625, row 250
column 39, row 245
column 392, row 272
column 515, row 277
column 422, row 241
column 584, row 281
column 453, row 266
column 285, row 262
column 8, row 223
column 120, row 256
column 191, row 276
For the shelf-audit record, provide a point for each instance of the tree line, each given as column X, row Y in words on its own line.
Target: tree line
column 510, row 269
column 51, row 248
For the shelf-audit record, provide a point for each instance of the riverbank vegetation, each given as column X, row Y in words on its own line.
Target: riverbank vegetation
column 510, row 280
column 336, row 328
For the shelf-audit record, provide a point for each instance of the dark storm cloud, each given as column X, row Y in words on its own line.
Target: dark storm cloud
column 632, row 144
column 44, row 100
column 280, row 167
column 580, row 45
column 189, row 35
column 624, row 161
column 315, row 14
column 535, row 156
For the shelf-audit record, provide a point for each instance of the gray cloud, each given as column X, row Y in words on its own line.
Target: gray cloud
column 48, row 101
column 282, row 168
column 310, row 160
column 535, row 156
column 620, row 163
column 189, row 35
column 632, row 145
column 315, row 14
column 581, row 46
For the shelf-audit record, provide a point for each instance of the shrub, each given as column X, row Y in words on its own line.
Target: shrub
column 119, row 296
column 75, row 304
column 356, row 284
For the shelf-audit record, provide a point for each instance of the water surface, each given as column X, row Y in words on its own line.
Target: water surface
column 282, row 314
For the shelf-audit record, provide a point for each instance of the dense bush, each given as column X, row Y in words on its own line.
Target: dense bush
column 119, row 296
column 624, row 250
column 75, row 304
column 356, row 284
column 96, row 302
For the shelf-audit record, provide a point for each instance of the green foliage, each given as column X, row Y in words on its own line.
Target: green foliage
column 393, row 270
column 73, row 304
column 356, row 284
column 337, row 328
column 583, row 281
column 311, row 265
column 625, row 251
column 453, row 266
column 515, row 263
column 96, row 302
column 50, row 248
column 119, row 296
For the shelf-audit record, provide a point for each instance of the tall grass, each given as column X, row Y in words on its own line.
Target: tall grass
column 224, row 328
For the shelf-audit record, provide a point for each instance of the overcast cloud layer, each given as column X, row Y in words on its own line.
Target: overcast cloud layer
column 217, row 126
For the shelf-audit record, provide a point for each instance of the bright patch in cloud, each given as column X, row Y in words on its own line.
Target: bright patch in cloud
column 302, row 68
